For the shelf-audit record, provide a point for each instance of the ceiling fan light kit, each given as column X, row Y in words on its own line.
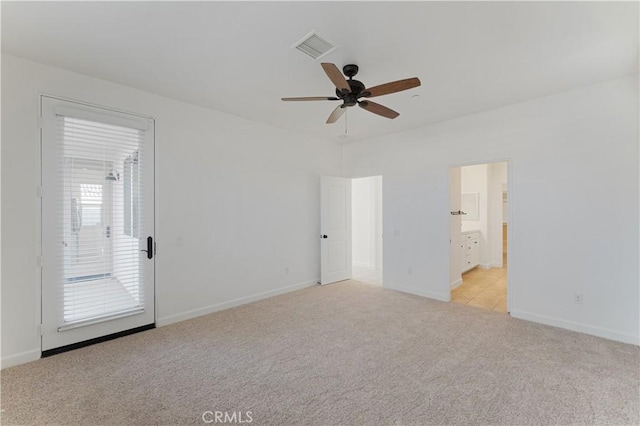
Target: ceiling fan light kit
column 350, row 91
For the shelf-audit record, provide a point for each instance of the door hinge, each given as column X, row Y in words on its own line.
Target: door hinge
column 155, row 248
column 39, row 261
column 39, row 191
column 39, row 122
column 41, row 329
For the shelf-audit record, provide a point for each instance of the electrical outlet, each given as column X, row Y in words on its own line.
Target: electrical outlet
column 577, row 299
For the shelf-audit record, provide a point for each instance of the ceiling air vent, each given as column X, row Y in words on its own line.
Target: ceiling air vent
column 314, row 46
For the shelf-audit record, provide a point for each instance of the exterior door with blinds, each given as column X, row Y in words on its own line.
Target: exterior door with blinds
column 97, row 222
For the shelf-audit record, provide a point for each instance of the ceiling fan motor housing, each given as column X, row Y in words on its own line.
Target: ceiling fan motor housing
column 351, row 99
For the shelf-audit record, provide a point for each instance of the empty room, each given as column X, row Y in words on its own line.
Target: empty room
column 320, row 213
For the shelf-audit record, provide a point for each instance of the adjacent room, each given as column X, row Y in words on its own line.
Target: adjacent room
column 320, row 213
column 479, row 213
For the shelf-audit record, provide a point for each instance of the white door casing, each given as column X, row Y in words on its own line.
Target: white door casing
column 455, row 224
column 335, row 229
column 85, row 252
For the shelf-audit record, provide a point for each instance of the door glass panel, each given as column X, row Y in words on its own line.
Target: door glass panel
column 101, row 268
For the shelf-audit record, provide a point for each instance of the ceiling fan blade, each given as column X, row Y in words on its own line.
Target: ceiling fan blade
column 393, row 87
column 378, row 109
column 336, row 114
column 336, row 76
column 312, row 98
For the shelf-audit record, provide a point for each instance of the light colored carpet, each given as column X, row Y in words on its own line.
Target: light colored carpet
column 349, row 354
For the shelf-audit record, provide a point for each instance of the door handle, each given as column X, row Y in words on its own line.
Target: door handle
column 149, row 249
column 323, row 236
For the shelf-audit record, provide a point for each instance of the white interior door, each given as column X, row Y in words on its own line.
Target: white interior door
column 335, row 228
column 455, row 226
column 97, row 222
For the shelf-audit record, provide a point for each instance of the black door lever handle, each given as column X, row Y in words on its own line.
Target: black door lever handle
column 149, row 249
column 324, row 236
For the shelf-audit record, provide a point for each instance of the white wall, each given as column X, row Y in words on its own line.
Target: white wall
column 575, row 152
column 366, row 208
column 505, row 204
column 455, row 226
column 474, row 180
column 237, row 202
column 486, row 180
column 496, row 180
column 362, row 222
column 377, row 226
column 243, row 200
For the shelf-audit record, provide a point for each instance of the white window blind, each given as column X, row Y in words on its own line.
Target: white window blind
column 102, row 274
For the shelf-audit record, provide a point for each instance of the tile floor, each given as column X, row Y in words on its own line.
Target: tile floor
column 485, row 288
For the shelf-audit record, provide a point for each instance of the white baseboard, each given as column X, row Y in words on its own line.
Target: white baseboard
column 362, row 265
column 484, row 266
column 21, row 358
column 496, row 265
column 456, row 283
column 160, row 322
column 577, row 326
column 443, row 297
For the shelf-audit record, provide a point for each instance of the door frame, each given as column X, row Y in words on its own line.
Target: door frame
column 39, row 216
column 509, row 161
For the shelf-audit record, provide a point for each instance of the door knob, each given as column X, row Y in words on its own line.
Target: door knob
column 324, row 236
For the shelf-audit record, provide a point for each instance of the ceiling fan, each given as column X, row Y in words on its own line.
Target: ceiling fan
column 350, row 91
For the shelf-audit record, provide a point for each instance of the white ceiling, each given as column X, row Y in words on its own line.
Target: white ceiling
column 237, row 57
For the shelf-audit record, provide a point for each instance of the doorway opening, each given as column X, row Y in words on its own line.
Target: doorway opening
column 366, row 214
column 478, row 235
